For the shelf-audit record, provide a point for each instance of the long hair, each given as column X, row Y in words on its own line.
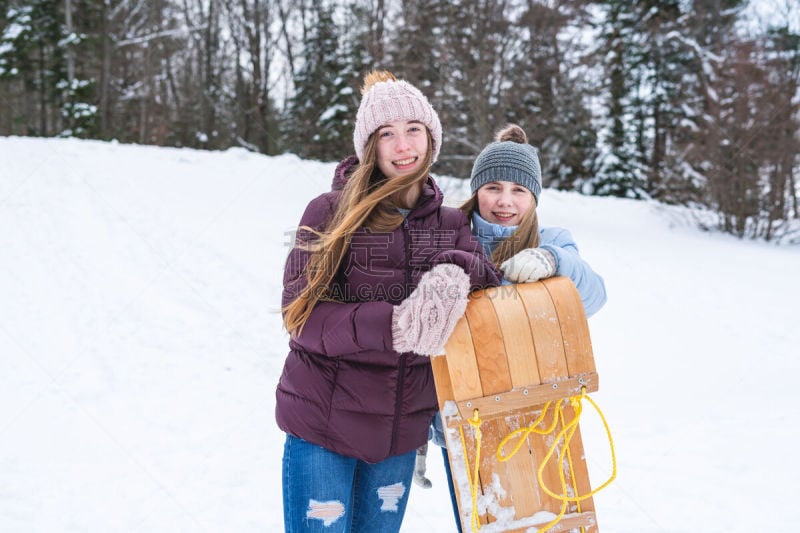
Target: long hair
column 368, row 200
column 527, row 233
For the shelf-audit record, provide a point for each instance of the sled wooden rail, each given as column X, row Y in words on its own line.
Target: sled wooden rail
column 521, row 399
column 568, row 523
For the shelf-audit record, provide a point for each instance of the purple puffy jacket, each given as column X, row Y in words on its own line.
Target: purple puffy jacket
column 343, row 387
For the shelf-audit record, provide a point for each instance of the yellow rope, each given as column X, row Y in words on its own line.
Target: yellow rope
column 566, row 433
column 475, row 422
column 571, row 469
column 564, row 502
column 524, row 432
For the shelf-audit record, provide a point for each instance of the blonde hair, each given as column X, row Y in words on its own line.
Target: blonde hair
column 367, row 200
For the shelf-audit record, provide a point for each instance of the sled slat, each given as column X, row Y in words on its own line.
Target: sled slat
column 581, row 473
column 465, row 378
column 574, row 328
column 546, row 331
column 518, row 344
column 539, row 446
column 520, row 472
column 441, row 375
column 490, row 351
column 494, row 476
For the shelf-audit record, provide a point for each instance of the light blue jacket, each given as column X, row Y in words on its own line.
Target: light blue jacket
column 559, row 242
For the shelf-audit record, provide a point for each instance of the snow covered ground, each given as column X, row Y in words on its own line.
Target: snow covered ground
column 140, row 345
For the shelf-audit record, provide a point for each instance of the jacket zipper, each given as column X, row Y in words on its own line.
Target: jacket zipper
column 400, row 378
column 407, row 245
column 401, row 369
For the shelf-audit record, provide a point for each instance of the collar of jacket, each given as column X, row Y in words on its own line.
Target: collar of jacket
column 488, row 233
column 430, row 200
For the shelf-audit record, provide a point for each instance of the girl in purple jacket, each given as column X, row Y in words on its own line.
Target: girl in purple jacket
column 378, row 277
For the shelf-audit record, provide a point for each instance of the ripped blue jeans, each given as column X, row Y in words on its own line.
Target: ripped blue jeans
column 327, row 492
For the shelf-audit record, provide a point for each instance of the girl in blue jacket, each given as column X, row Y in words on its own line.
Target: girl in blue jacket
column 506, row 182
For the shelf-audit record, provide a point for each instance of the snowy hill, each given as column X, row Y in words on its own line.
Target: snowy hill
column 140, row 346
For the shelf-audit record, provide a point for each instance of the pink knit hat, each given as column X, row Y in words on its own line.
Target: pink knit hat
column 386, row 99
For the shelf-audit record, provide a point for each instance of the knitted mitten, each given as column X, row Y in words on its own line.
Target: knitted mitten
column 423, row 322
column 531, row 264
column 420, row 468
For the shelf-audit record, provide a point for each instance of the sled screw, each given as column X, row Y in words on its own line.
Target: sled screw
column 555, row 386
column 469, row 404
column 525, row 392
column 581, row 381
column 497, row 398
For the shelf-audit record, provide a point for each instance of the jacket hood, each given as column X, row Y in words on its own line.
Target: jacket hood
column 430, row 200
column 342, row 173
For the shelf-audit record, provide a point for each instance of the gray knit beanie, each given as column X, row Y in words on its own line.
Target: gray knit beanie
column 508, row 161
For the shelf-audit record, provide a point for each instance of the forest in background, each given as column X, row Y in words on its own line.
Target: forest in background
column 684, row 102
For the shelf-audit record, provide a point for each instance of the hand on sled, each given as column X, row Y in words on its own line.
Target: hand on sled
column 531, row 264
column 423, row 322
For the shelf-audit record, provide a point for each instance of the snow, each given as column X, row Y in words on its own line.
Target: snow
column 141, row 343
column 15, row 29
column 758, row 16
column 71, row 39
column 331, row 112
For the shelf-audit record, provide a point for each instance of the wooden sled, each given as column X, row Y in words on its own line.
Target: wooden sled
column 516, row 348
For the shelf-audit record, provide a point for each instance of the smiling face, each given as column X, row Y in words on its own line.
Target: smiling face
column 504, row 202
column 401, row 148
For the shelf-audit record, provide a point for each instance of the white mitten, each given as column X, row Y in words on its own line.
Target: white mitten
column 420, row 468
column 531, row 264
column 423, row 322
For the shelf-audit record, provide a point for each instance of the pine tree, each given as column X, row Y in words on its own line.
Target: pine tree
column 32, row 59
column 714, row 150
column 79, row 87
column 620, row 172
column 417, row 51
column 549, row 92
column 254, row 121
column 779, row 208
column 417, row 46
column 321, row 111
column 659, row 62
column 477, row 39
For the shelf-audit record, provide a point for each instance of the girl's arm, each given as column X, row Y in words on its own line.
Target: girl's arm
column 590, row 285
column 333, row 328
